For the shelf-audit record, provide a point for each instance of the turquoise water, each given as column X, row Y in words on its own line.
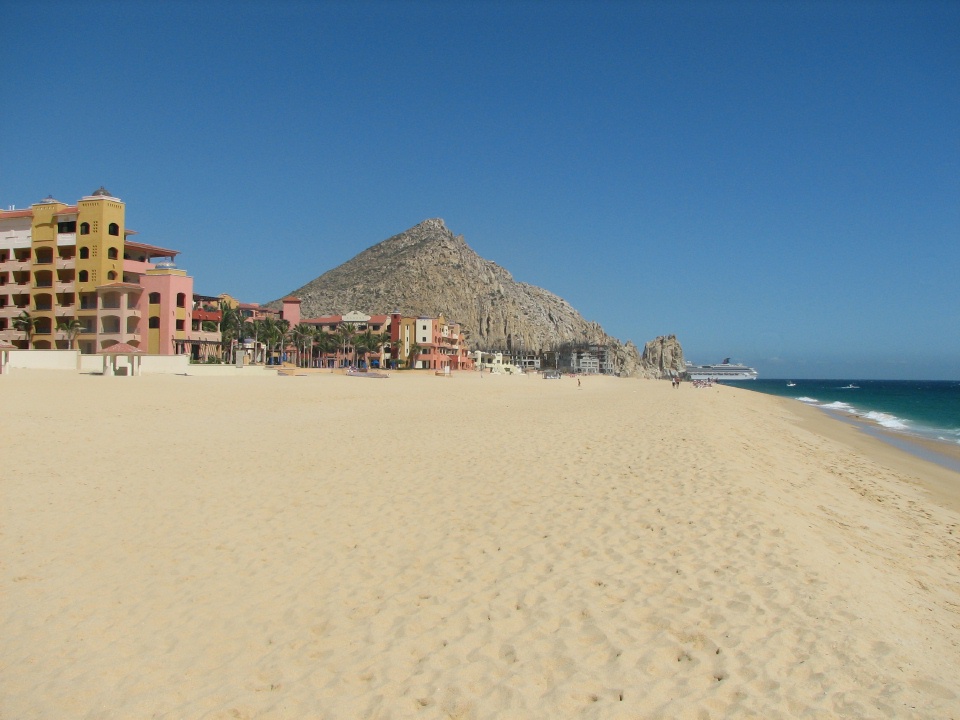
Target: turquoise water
column 923, row 408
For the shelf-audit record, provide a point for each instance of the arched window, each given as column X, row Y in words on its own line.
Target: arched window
column 113, row 229
column 82, row 276
column 84, row 228
column 84, row 252
column 154, row 323
column 111, row 275
column 154, row 298
column 112, row 254
column 181, row 299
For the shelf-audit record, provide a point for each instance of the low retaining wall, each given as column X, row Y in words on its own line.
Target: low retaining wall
column 149, row 364
column 231, row 370
column 43, row 359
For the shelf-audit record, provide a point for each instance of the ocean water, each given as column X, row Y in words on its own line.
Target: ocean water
column 923, row 408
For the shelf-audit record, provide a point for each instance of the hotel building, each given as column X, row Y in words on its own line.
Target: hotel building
column 76, row 272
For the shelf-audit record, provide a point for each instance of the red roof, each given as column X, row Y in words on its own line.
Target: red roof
column 214, row 315
column 69, row 210
column 4, row 214
column 120, row 349
column 291, row 299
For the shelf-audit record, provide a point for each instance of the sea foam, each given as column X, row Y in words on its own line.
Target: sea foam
column 886, row 420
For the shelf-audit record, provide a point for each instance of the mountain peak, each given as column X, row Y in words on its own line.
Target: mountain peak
column 427, row 270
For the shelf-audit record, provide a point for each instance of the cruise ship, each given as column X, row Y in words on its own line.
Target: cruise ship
column 722, row 371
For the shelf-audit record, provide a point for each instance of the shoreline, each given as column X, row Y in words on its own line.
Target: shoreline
column 929, row 462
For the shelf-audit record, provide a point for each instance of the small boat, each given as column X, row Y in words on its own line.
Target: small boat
column 851, row 386
column 791, row 383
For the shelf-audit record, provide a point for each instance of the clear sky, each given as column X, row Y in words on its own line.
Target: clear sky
column 778, row 182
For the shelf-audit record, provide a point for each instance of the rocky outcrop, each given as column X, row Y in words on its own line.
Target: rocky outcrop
column 428, row 270
column 663, row 357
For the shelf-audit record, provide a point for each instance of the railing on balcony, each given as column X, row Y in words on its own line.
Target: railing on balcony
column 66, row 263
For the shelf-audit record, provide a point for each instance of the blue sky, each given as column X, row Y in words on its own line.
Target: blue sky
column 773, row 181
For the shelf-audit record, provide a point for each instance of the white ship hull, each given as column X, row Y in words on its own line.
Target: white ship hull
column 722, row 371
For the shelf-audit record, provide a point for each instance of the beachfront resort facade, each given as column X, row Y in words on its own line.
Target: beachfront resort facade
column 388, row 340
column 72, row 277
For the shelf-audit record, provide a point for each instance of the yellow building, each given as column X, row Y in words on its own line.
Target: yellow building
column 76, row 274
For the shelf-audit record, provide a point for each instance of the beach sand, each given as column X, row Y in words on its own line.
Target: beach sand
column 427, row 547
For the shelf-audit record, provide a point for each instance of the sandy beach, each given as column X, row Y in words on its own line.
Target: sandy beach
column 499, row 547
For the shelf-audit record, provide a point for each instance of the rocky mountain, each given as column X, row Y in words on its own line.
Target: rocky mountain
column 428, row 270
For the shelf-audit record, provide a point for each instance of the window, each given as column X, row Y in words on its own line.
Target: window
column 181, row 299
column 154, row 298
column 154, row 323
column 112, row 254
column 179, row 324
column 67, row 227
column 111, row 275
column 84, row 252
column 84, row 228
column 82, row 276
column 113, row 229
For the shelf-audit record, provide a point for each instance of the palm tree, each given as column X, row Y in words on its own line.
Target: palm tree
column 397, row 351
column 72, row 328
column 326, row 343
column 232, row 326
column 25, row 324
column 345, row 335
column 302, row 336
column 275, row 333
column 381, row 340
column 364, row 343
column 415, row 349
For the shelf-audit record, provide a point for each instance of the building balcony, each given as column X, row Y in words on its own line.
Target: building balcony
column 63, row 287
column 16, row 265
column 136, row 266
column 203, row 336
column 116, row 335
column 66, row 263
